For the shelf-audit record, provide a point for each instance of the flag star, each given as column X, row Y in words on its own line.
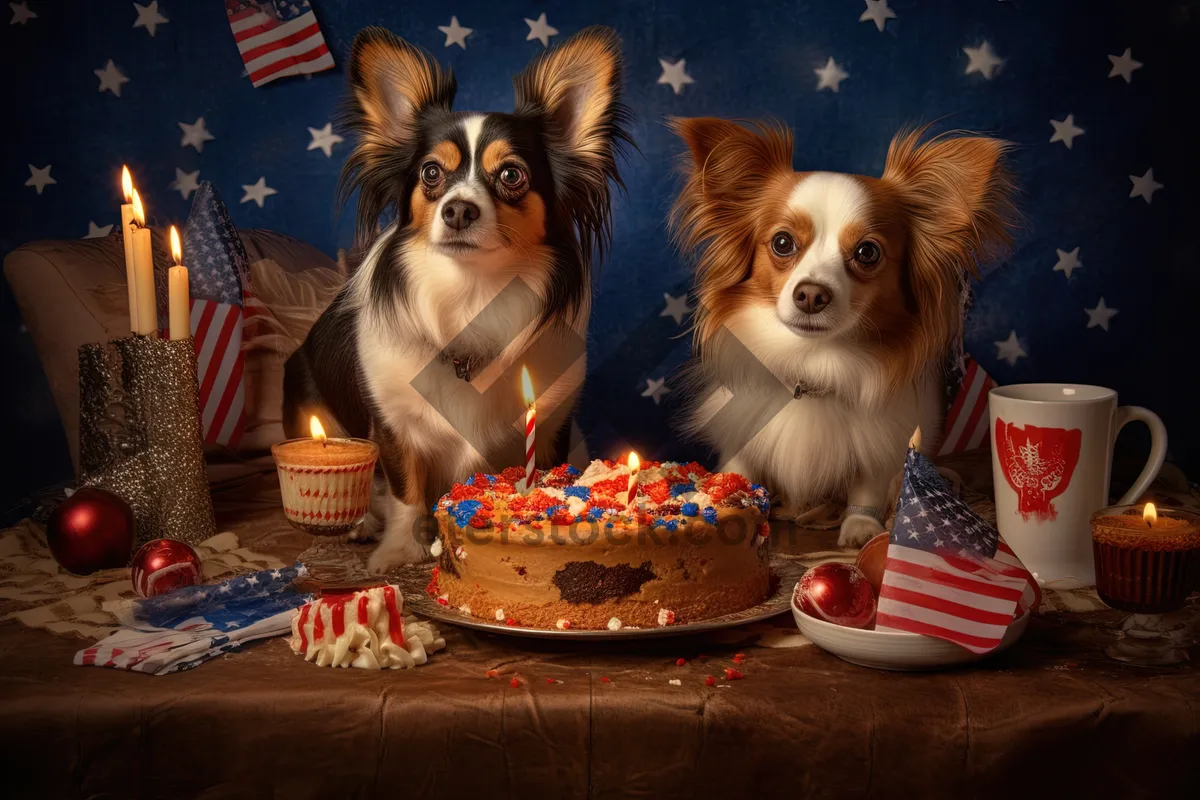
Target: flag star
column 111, row 78
column 983, row 60
column 148, row 17
column 655, row 389
column 923, row 513
column 252, row 580
column 224, row 588
column 195, row 135
column 257, row 191
column 21, row 13
column 96, row 232
column 1065, row 131
column 1100, row 315
column 677, row 308
column 914, row 535
column 937, row 541
column 40, row 178
column 905, row 520
column 1124, row 65
column 302, row 571
column 1010, row 349
column 877, row 12
column 457, row 34
column 674, row 75
column 186, row 182
column 539, row 29
column 1145, row 186
column 324, row 138
column 830, row 76
column 1067, row 262
column 929, row 528
column 276, row 574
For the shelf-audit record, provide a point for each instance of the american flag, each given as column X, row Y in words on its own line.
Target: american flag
column 948, row 573
column 222, row 308
column 277, row 38
column 966, row 424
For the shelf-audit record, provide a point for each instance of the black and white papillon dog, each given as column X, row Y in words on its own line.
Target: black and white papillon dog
column 479, row 232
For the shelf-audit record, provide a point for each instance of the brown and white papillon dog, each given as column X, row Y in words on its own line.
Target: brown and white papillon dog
column 455, row 209
column 828, row 303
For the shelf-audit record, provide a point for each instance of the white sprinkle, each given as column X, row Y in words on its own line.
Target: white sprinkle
column 461, row 553
column 675, row 682
column 562, row 624
column 665, row 617
column 435, row 549
column 614, row 624
column 464, row 608
column 500, row 615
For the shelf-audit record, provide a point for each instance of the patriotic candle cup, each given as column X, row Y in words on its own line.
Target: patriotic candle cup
column 326, row 483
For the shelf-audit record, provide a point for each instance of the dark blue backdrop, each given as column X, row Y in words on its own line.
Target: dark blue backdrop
column 745, row 59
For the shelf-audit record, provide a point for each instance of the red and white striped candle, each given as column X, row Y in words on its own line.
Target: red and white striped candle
column 530, row 428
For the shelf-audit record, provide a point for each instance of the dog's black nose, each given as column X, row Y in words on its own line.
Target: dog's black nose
column 812, row 298
column 460, row 214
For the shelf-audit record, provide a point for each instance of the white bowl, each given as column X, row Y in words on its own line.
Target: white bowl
column 893, row 650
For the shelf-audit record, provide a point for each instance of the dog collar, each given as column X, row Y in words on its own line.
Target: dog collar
column 462, row 366
column 808, row 390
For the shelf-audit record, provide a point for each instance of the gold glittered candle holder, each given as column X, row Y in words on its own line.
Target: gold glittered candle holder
column 326, row 483
column 140, row 437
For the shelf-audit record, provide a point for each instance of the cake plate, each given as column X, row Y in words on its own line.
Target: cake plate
column 785, row 573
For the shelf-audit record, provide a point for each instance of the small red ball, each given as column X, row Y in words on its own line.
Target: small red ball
column 162, row 566
column 837, row 593
column 91, row 530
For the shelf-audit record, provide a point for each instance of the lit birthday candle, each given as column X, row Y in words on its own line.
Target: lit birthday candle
column 530, row 427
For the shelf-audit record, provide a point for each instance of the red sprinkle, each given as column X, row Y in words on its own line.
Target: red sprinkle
column 461, row 491
column 658, row 491
column 514, row 474
column 702, row 657
column 514, row 683
column 551, row 680
column 510, row 621
column 733, row 674
column 492, row 673
column 562, row 518
column 738, row 658
column 605, row 679
column 443, row 601
column 710, row 681
column 679, row 662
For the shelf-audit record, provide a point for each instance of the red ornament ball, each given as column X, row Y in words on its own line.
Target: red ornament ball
column 91, row 530
column 873, row 558
column 837, row 593
column 164, row 565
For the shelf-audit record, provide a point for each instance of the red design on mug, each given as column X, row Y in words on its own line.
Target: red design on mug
column 1038, row 464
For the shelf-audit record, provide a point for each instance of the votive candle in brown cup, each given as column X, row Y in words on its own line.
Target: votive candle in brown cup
column 326, row 484
column 1147, row 559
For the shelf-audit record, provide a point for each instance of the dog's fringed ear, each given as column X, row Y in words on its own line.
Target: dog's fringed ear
column 727, row 168
column 575, row 89
column 957, row 192
column 392, row 84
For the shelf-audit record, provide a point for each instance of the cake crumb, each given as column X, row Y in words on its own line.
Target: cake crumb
column 614, row 624
column 460, row 553
column 675, row 682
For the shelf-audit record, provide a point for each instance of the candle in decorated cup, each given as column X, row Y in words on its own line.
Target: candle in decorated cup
column 1147, row 559
column 325, row 481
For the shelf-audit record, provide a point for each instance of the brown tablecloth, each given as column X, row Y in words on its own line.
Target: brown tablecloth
column 1051, row 717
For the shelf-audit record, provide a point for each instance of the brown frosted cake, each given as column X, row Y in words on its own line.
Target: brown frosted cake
column 573, row 553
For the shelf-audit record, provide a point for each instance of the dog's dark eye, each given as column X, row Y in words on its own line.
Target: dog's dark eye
column 782, row 244
column 512, row 178
column 868, row 253
column 431, row 174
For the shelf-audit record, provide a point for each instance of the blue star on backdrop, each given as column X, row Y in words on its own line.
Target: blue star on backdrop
column 1086, row 90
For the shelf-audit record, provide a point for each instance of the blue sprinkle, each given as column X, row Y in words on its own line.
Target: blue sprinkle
column 552, row 510
column 690, row 510
column 608, row 525
column 572, row 470
column 710, row 515
column 672, row 525
column 754, row 487
column 464, row 510
column 490, row 478
column 582, row 492
column 658, row 522
column 682, row 488
column 594, row 514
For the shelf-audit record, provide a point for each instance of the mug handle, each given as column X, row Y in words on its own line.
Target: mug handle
column 1158, row 448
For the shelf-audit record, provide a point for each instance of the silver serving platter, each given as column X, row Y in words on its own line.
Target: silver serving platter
column 412, row 581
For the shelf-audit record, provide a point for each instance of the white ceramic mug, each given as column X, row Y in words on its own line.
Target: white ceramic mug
column 1052, row 446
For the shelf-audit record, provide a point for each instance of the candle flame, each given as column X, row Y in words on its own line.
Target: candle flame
column 139, row 213
column 126, row 184
column 176, row 249
column 915, row 441
column 318, row 432
column 1150, row 513
column 527, row 387
column 634, row 462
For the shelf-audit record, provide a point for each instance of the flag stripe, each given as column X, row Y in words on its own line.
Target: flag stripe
column 220, row 372
column 921, row 564
column 233, row 390
column 272, row 69
column 928, row 597
column 953, row 430
column 248, row 40
column 216, row 340
column 931, row 585
column 976, row 644
column 251, row 53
